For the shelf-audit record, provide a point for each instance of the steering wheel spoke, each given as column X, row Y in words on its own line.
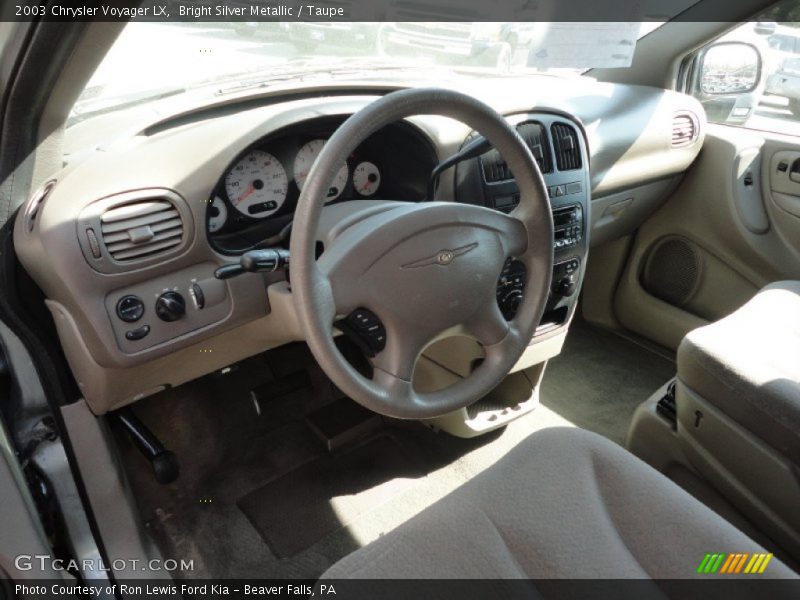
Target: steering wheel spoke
column 323, row 298
column 346, row 299
column 400, row 354
column 344, row 295
column 488, row 325
column 398, row 390
column 514, row 234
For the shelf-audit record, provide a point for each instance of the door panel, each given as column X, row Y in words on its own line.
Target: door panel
column 731, row 227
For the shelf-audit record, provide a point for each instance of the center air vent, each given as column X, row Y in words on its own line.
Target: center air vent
column 140, row 229
column 535, row 137
column 568, row 150
column 684, row 129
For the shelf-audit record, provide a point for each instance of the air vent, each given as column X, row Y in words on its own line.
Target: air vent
column 141, row 229
column 536, row 139
column 684, row 129
column 568, row 150
column 495, row 168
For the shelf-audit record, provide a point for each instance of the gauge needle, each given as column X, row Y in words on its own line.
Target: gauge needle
column 247, row 192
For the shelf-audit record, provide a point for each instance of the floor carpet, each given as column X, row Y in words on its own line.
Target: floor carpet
column 295, row 511
column 247, row 457
column 600, row 378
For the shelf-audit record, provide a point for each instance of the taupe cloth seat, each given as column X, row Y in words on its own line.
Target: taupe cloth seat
column 565, row 503
column 748, row 366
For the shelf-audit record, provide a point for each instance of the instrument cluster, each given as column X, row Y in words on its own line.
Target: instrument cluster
column 256, row 196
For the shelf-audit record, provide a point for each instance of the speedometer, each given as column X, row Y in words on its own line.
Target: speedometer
column 302, row 165
column 257, row 184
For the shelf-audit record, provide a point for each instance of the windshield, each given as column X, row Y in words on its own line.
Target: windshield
column 154, row 60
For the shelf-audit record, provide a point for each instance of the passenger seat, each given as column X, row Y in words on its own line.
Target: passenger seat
column 738, row 404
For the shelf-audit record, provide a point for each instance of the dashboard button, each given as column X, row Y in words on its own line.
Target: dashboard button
column 137, row 334
column 197, row 295
column 130, row 308
column 170, row 306
column 365, row 329
column 565, row 287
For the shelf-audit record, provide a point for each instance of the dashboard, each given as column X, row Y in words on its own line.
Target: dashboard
column 256, row 195
column 125, row 242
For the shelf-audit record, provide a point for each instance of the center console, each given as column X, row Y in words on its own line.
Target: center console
column 559, row 148
column 568, row 228
column 558, row 145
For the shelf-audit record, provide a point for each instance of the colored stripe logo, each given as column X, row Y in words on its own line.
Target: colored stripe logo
column 732, row 564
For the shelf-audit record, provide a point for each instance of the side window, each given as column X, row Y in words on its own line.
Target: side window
column 750, row 77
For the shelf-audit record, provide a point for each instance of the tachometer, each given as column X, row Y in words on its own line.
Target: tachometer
column 217, row 214
column 366, row 178
column 257, row 184
column 305, row 159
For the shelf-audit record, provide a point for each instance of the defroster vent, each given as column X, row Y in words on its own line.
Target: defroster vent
column 140, row 229
column 567, row 148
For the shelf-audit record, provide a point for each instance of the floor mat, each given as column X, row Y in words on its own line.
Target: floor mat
column 600, row 378
column 297, row 510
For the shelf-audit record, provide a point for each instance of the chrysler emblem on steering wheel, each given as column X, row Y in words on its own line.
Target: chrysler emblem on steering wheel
column 443, row 257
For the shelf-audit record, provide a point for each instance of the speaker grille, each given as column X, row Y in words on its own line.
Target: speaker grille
column 672, row 270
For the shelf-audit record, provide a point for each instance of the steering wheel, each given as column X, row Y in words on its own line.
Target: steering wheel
column 426, row 270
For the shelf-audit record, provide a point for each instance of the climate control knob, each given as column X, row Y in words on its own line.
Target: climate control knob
column 170, row 306
column 510, row 302
column 565, row 287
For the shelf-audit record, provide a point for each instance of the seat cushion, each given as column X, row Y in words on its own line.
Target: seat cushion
column 565, row 503
column 748, row 366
